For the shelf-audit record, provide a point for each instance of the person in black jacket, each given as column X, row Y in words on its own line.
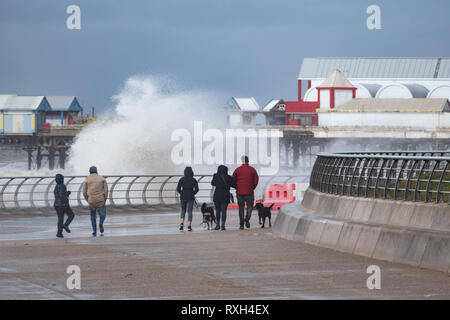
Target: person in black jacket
column 223, row 182
column 61, row 205
column 187, row 188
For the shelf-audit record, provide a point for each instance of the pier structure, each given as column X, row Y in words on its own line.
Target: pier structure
column 51, row 145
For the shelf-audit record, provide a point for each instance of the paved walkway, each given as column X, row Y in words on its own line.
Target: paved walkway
column 144, row 256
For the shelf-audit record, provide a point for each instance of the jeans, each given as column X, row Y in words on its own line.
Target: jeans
column 221, row 213
column 186, row 204
column 242, row 200
column 60, row 211
column 102, row 213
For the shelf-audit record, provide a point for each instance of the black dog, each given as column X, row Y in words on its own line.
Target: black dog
column 208, row 215
column 263, row 213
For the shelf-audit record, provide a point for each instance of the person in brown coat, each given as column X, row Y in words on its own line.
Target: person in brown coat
column 95, row 191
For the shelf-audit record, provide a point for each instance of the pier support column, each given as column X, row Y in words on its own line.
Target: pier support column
column 29, row 151
column 296, row 153
column 38, row 158
column 62, row 157
column 286, row 151
column 51, row 158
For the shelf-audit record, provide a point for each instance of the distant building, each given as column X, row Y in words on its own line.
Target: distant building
column 244, row 112
column 383, row 78
column 22, row 114
column 371, row 75
column 274, row 111
column 247, row 112
column 334, row 91
column 63, row 108
column 27, row 114
column 396, row 92
column 412, row 113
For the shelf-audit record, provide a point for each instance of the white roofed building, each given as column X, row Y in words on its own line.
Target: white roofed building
column 336, row 83
column 335, row 90
column 419, row 76
column 22, row 114
column 244, row 112
column 275, row 112
column 63, row 108
column 412, row 113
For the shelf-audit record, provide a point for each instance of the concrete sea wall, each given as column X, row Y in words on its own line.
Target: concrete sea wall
column 412, row 233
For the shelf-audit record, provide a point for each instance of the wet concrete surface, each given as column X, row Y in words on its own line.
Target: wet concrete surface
column 145, row 256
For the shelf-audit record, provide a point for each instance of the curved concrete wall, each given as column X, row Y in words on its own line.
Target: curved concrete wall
column 413, row 233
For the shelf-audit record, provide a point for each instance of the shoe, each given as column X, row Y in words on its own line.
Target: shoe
column 67, row 229
column 189, row 228
column 181, row 227
column 101, row 230
column 247, row 223
column 241, row 227
column 60, row 235
column 223, row 228
column 217, row 228
column 94, row 234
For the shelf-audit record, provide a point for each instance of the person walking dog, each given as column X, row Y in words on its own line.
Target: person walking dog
column 62, row 206
column 246, row 179
column 223, row 182
column 95, row 191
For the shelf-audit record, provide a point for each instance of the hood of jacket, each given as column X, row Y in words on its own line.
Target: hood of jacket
column 188, row 172
column 59, row 178
column 222, row 170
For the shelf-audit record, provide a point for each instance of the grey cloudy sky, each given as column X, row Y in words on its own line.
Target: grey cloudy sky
column 232, row 47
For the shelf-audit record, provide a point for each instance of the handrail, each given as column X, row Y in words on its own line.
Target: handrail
column 124, row 190
column 410, row 176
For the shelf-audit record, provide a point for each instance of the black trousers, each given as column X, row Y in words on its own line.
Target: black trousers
column 242, row 200
column 60, row 211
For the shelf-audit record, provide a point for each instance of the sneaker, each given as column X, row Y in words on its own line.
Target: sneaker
column 189, row 228
column 223, row 228
column 59, row 235
column 67, row 229
column 241, row 227
column 247, row 223
column 217, row 227
column 181, row 227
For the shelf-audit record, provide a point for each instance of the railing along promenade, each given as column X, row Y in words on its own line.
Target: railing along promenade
column 124, row 190
column 410, row 176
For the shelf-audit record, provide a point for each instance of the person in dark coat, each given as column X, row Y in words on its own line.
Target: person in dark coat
column 223, row 182
column 62, row 206
column 187, row 188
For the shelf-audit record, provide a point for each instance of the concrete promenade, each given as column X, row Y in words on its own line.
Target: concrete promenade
column 144, row 256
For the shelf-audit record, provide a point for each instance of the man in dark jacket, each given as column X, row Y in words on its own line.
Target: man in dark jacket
column 223, row 182
column 61, row 205
column 187, row 188
column 246, row 179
